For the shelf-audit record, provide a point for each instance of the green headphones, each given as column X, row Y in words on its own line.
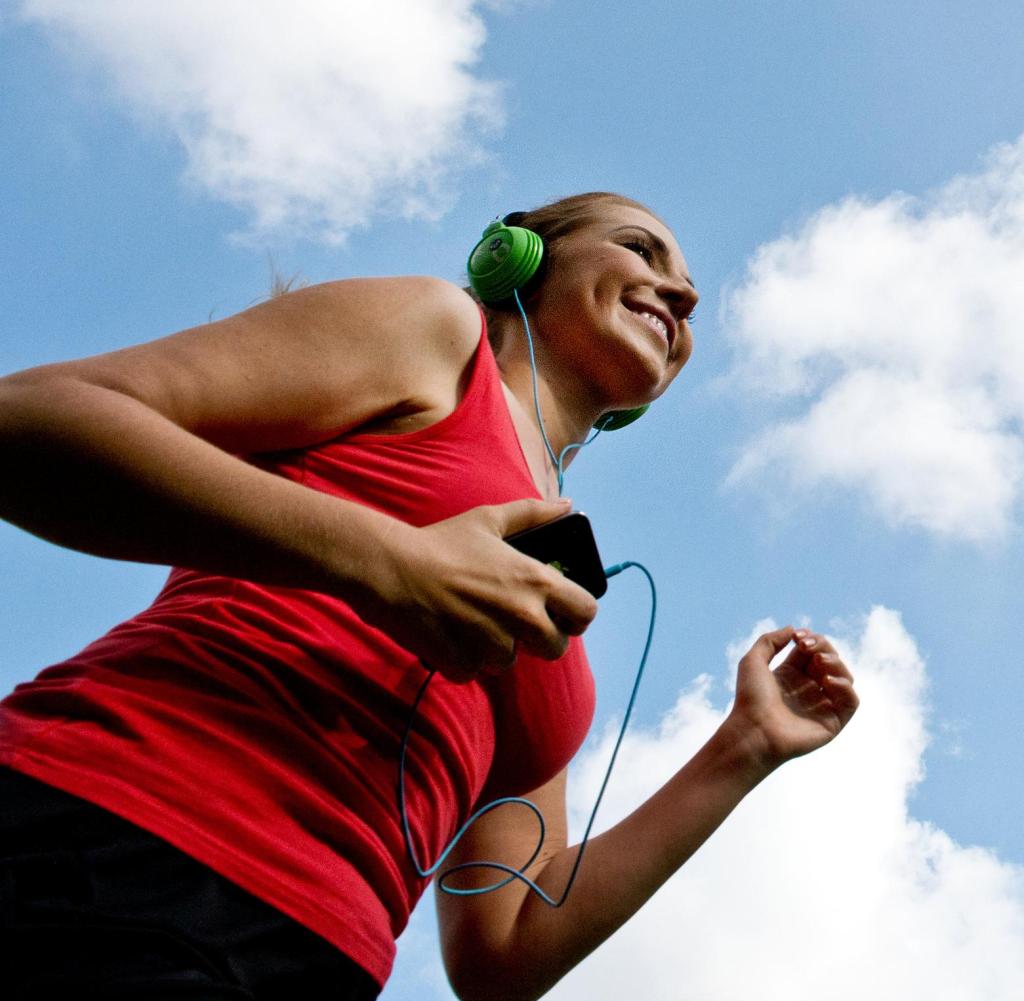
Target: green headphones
column 502, row 262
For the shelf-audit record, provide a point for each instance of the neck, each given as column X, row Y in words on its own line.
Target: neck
column 568, row 416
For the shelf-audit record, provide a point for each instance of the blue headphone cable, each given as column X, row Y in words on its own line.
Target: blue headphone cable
column 558, row 461
column 520, row 873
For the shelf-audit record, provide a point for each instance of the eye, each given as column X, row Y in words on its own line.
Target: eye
column 640, row 247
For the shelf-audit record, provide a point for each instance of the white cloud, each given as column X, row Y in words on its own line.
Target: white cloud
column 894, row 329
column 311, row 116
column 821, row 884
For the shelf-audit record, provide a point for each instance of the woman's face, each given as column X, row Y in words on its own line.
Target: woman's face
column 616, row 298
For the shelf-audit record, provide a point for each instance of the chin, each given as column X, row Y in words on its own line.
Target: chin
column 647, row 383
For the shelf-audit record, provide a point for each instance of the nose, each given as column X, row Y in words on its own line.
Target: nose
column 680, row 297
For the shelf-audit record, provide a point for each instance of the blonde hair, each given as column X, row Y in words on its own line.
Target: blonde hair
column 559, row 218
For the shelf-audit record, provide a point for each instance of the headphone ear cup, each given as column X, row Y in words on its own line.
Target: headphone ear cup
column 504, row 259
column 616, row 419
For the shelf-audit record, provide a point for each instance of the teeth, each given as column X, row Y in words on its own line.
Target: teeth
column 657, row 322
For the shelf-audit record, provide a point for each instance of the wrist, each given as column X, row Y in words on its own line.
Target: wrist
column 339, row 546
column 370, row 567
column 745, row 750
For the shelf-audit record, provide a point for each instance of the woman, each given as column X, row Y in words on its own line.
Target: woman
column 238, row 741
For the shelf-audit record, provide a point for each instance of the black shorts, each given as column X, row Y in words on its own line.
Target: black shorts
column 95, row 909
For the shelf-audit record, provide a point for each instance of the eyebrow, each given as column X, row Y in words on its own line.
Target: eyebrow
column 659, row 245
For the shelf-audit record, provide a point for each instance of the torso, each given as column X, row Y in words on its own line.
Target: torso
column 316, row 699
column 434, row 403
column 544, row 476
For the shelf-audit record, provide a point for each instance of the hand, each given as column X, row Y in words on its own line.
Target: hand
column 799, row 706
column 465, row 601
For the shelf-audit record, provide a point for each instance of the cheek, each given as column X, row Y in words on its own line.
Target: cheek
column 685, row 346
column 680, row 357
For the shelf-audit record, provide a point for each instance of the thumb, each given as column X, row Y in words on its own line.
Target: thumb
column 518, row 515
column 766, row 647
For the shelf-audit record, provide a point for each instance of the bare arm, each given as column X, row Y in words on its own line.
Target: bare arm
column 129, row 455
column 511, row 945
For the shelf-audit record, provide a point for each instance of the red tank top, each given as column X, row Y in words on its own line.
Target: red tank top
column 258, row 728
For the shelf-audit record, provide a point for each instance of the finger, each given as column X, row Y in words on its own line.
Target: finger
column 548, row 643
column 828, row 662
column 570, row 606
column 518, row 515
column 457, row 675
column 529, row 623
column 487, row 647
column 543, row 627
column 505, row 659
column 466, row 670
column 504, row 663
column 840, row 691
column 767, row 645
column 807, row 640
column 754, row 667
column 456, row 669
column 814, row 655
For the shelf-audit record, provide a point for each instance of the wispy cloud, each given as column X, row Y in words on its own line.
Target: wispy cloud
column 889, row 334
column 821, row 884
column 311, row 116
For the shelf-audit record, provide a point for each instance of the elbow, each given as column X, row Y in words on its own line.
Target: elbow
column 35, row 399
column 22, row 395
column 470, row 981
column 495, row 989
column 486, row 980
column 30, row 391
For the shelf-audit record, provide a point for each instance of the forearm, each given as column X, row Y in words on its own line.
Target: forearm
column 623, row 867
column 525, row 946
column 96, row 470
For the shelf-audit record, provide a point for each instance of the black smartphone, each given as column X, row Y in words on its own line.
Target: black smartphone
column 566, row 543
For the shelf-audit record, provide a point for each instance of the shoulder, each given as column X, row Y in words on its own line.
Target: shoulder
column 304, row 365
column 399, row 313
column 405, row 345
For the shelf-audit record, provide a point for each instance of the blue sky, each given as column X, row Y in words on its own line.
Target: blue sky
column 847, row 183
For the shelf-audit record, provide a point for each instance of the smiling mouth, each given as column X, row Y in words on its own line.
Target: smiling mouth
column 654, row 322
